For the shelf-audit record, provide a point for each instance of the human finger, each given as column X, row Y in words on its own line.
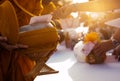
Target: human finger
column 97, row 49
column 8, row 47
column 22, row 46
column 3, row 38
column 97, row 45
column 99, row 52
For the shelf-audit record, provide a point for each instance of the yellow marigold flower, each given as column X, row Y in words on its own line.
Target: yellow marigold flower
column 92, row 37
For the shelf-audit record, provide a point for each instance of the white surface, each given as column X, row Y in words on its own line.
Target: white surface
column 70, row 70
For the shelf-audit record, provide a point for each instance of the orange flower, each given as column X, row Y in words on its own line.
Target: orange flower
column 92, row 37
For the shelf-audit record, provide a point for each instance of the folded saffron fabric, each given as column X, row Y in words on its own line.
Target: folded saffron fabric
column 38, row 36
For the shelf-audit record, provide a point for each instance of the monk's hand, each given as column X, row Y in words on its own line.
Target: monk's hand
column 3, row 39
column 4, row 44
column 104, row 46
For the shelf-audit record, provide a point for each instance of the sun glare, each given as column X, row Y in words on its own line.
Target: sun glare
column 74, row 14
column 79, row 1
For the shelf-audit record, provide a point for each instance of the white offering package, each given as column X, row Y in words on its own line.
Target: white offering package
column 40, row 19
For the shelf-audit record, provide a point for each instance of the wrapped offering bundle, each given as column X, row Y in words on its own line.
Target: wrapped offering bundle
column 83, row 50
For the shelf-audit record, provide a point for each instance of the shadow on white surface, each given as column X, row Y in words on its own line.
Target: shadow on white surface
column 62, row 54
column 100, row 72
column 70, row 70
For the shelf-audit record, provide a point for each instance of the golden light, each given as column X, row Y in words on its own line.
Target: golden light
column 75, row 14
column 97, row 16
column 93, row 15
column 79, row 1
column 81, row 28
